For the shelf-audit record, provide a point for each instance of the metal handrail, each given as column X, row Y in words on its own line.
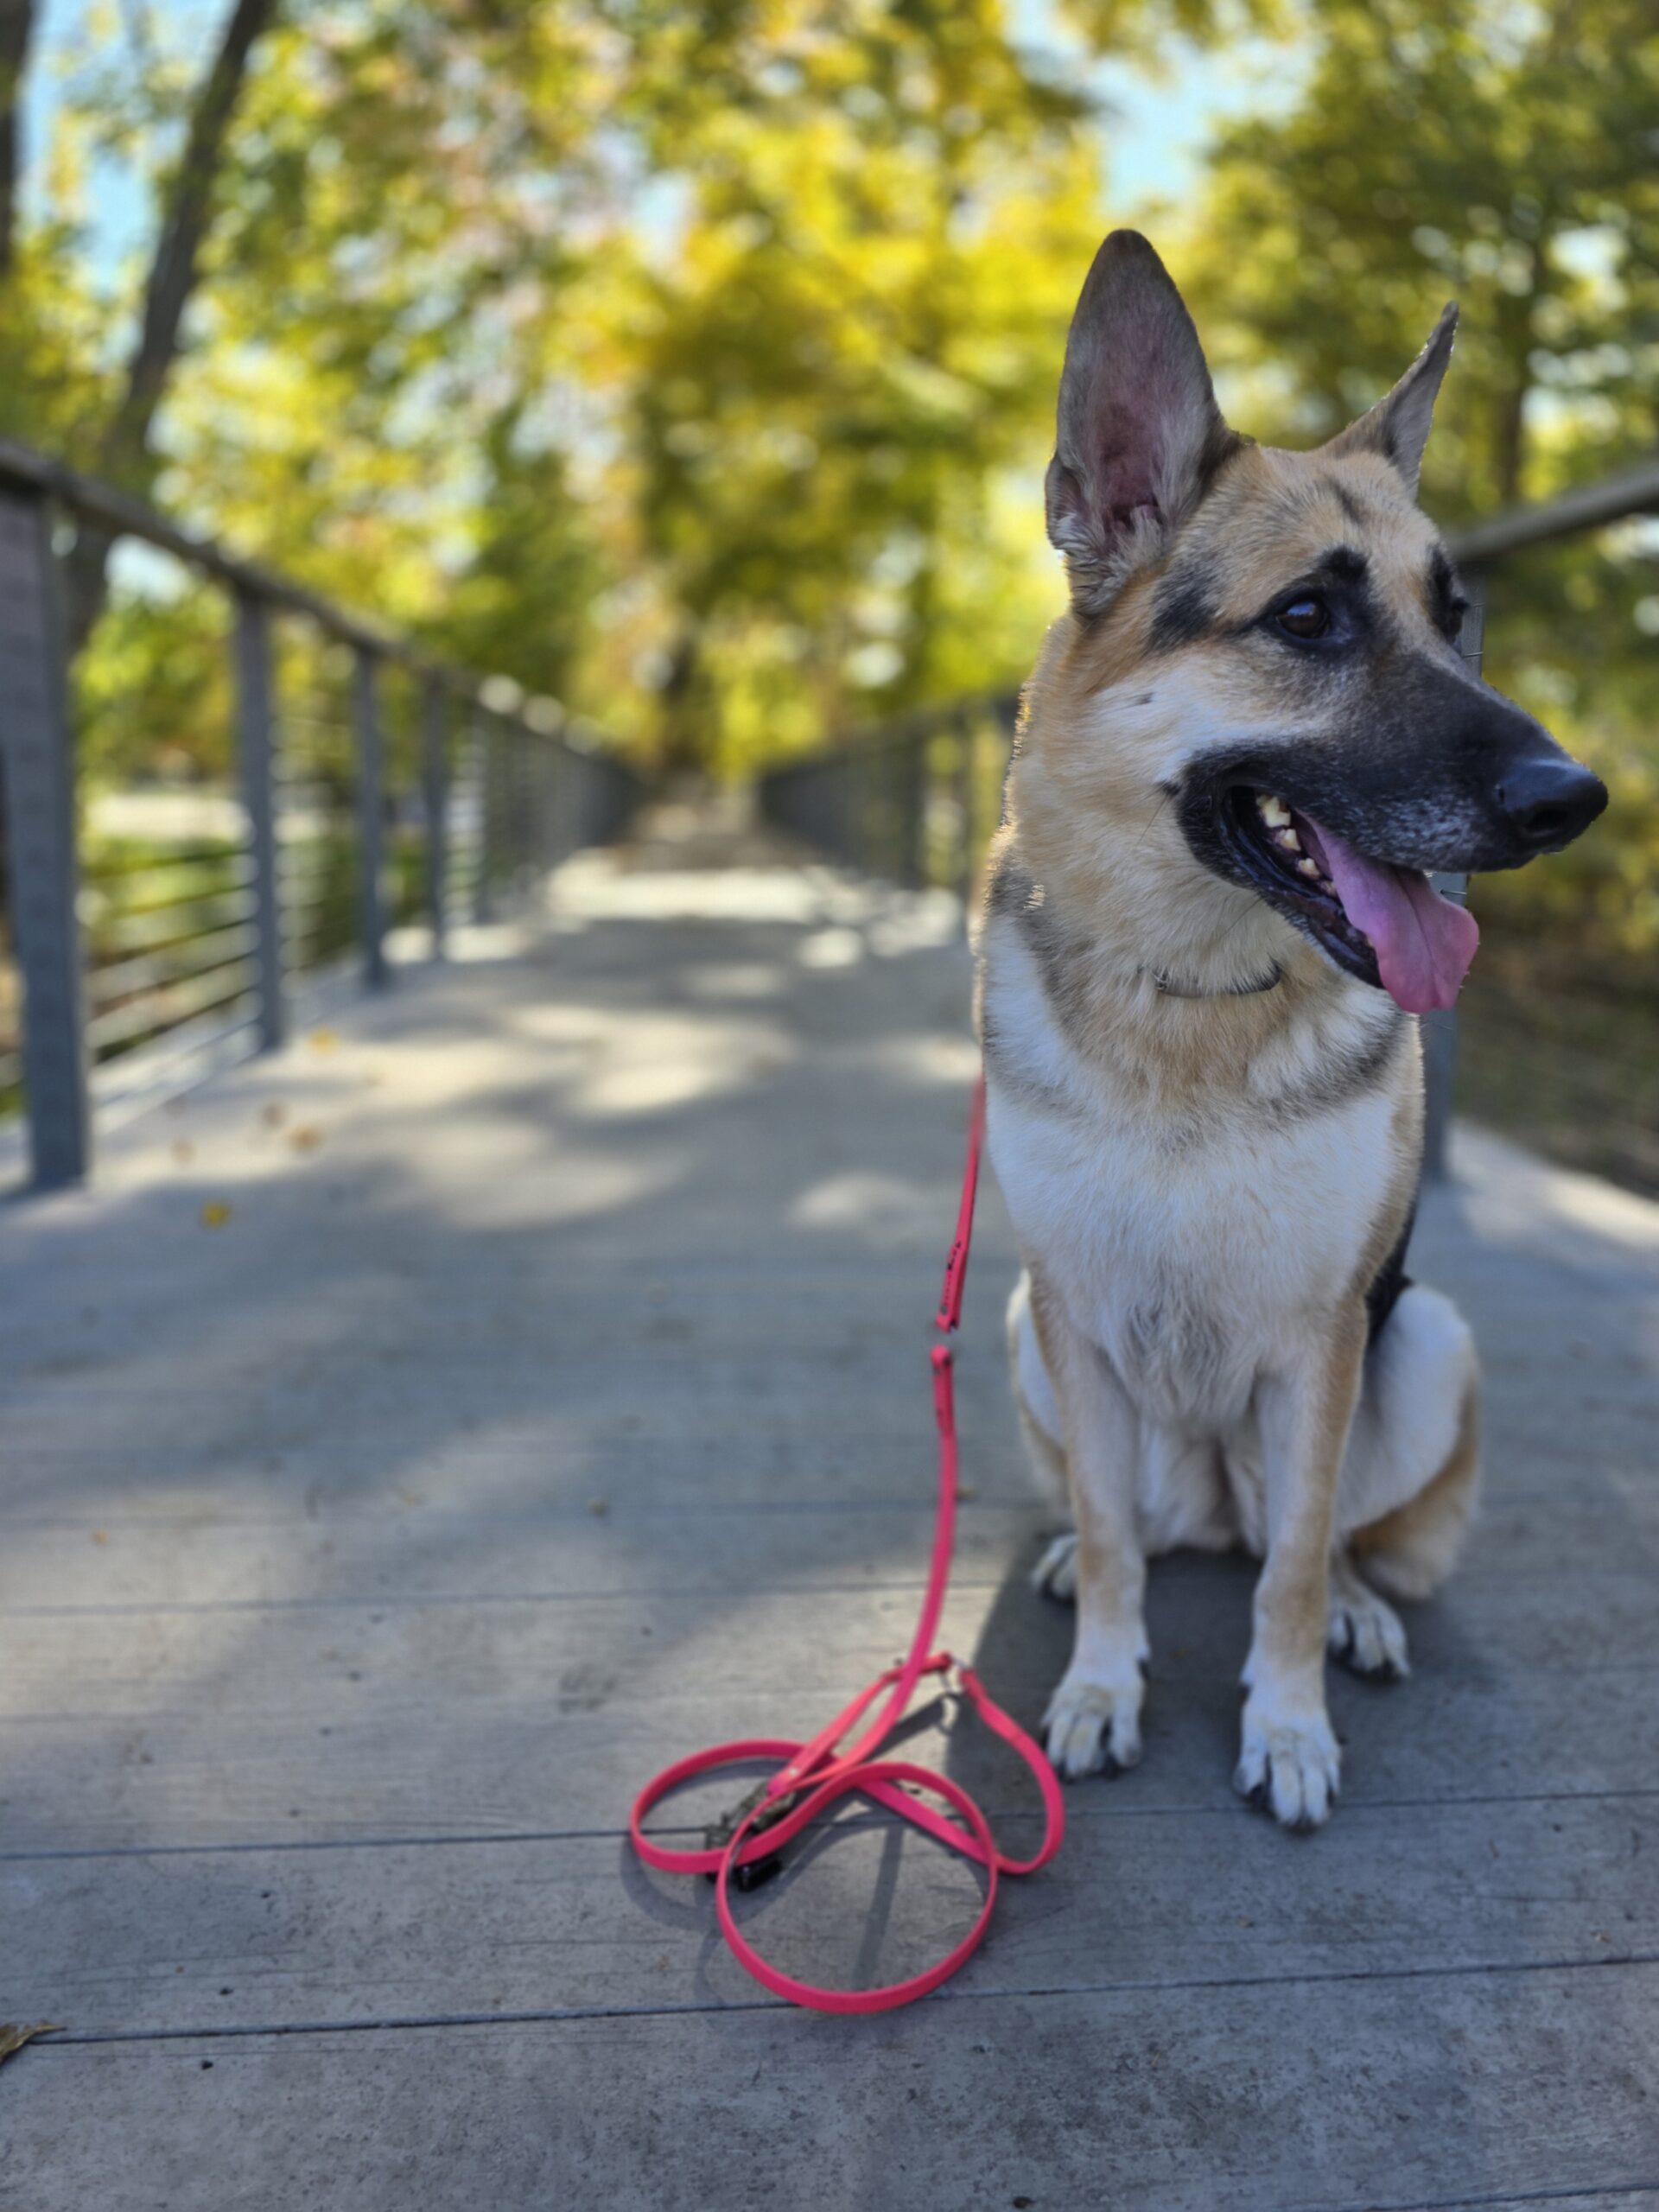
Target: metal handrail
column 1587, row 507
column 23, row 470
column 544, row 786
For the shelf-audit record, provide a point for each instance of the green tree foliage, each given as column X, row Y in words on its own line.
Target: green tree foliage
column 690, row 392
column 696, row 362
column 670, row 357
column 849, row 341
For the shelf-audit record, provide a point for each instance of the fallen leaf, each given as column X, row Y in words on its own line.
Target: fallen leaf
column 13, row 2039
column 184, row 1151
column 306, row 1140
column 100, row 1535
column 274, row 1114
column 214, row 1213
column 599, row 1507
column 324, row 1040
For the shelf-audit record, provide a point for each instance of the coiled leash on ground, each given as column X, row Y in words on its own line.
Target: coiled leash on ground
column 743, row 1849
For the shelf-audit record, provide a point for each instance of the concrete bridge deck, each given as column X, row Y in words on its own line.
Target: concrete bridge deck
column 415, row 1439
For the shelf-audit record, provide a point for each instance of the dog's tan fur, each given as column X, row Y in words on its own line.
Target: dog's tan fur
column 1136, row 1055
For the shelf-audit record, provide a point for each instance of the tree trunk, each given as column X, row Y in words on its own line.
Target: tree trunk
column 124, row 448
column 1514, row 327
column 684, row 704
column 16, row 24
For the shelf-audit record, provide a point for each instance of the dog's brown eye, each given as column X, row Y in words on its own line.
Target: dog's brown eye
column 1305, row 618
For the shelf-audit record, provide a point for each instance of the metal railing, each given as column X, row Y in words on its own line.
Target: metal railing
column 372, row 785
column 915, row 800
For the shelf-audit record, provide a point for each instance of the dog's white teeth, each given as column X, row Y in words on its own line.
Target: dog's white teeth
column 1308, row 865
column 1287, row 841
column 1273, row 811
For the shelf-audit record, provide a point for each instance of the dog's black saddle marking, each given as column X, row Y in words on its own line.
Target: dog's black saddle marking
column 1388, row 1282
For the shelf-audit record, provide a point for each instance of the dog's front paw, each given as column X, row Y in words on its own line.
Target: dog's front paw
column 1365, row 1633
column 1056, row 1573
column 1288, row 1764
column 1093, row 1727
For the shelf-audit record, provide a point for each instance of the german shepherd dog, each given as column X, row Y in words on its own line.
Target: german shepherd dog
column 1207, row 934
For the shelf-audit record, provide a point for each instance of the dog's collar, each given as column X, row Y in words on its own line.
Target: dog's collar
column 1167, row 988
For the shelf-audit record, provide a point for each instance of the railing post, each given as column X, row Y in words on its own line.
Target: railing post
column 435, row 787
column 38, row 799
column 547, row 820
column 556, row 803
column 1440, row 1028
column 522, row 825
column 967, row 750
column 256, row 739
column 366, row 728
column 484, row 744
column 912, row 811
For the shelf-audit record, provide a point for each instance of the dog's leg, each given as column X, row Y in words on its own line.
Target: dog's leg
column 1365, row 1634
column 1410, row 1551
column 1288, row 1758
column 1093, row 1721
column 1412, row 1472
column 1055, row 1572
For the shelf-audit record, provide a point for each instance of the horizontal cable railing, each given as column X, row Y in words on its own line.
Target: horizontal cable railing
column 366, row 785
column 916, row 800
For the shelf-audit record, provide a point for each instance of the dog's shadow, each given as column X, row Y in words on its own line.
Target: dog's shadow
column 1199, row 1625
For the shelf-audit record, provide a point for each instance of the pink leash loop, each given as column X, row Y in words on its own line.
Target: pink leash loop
column 815, row 1775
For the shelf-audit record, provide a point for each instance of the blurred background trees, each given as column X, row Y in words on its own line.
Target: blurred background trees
column 696, row 363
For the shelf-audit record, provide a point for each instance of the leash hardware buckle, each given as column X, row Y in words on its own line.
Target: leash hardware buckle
column 718, row 1832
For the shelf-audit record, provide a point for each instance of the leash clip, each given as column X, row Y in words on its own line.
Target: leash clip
column 760, row 1813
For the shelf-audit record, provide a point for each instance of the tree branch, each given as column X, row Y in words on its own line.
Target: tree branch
column 173, row 274
column 173, row 271
column 16, row 26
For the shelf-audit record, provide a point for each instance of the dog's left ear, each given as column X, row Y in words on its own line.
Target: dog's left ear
column 1397, row 426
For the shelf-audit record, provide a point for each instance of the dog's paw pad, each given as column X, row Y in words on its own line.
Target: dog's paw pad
column 1056, row 1573
column 1366, row 1635
column 1289, row 1769
column 1093, row 1728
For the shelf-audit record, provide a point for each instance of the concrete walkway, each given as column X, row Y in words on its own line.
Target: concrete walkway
column 415, row 1440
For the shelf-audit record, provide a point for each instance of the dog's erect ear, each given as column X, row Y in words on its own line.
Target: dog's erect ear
column 1397, row 426
column 1139, row 433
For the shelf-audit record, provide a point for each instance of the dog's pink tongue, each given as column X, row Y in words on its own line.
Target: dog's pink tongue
column 1423, row 942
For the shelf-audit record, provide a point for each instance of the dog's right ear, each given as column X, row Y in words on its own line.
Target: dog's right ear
column 1139, row 433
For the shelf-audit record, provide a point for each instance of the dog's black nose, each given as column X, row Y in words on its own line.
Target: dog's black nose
column 1547, row 799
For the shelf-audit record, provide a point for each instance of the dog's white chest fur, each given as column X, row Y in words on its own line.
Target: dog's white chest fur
column 1193, row 1249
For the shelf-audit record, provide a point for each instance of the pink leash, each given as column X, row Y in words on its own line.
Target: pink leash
column 814, row 1775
